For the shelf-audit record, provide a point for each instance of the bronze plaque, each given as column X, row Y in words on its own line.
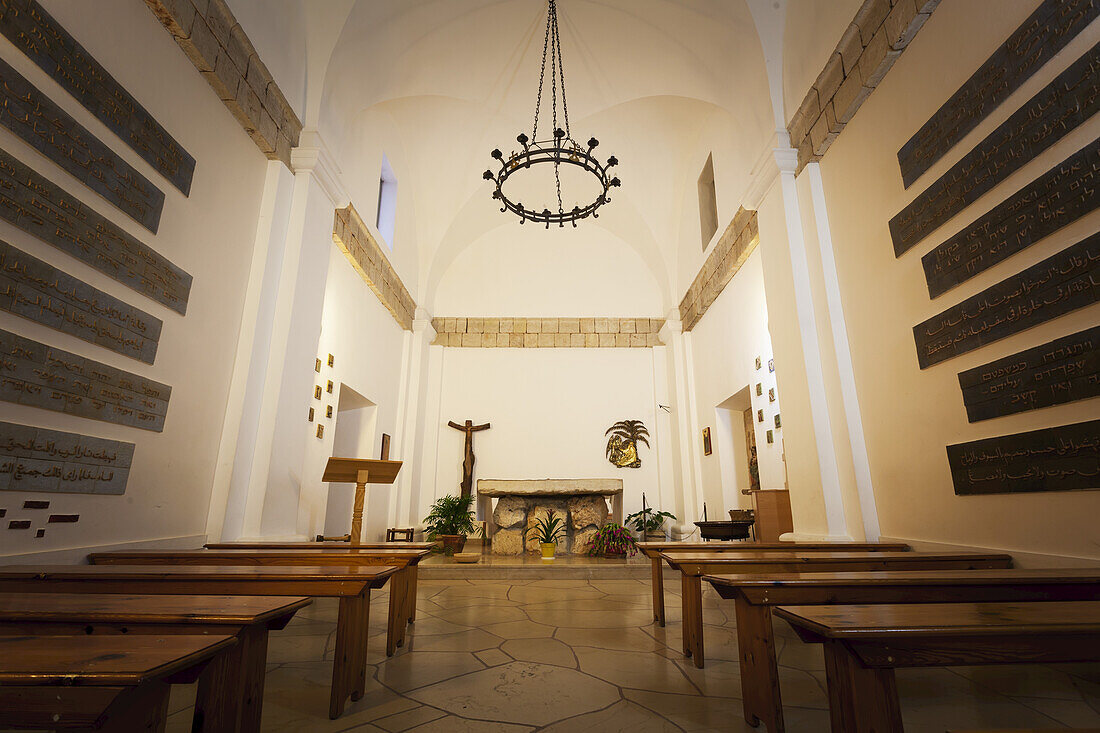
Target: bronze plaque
column 1060, row 371
column 1059, row 284
column 40, row 292
column 1064, row 104
column 34, row 32
column 34, row 374
column 1045, row 32
column 36, row 459
column 1065, row 458
column 43, row 209
column 1060, row 196
column 49, row 129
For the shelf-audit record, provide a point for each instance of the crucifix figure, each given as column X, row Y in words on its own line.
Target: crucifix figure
column 468, row 453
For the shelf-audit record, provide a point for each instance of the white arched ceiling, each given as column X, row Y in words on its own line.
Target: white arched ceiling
column 811, row 36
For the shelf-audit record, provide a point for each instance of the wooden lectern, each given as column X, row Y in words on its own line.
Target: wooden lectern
column 359, row 471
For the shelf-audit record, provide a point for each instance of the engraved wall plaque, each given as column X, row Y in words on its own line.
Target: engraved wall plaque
column 1064, row 104
column 34, row 32
column 1059, row 284
column 36, row 459
column 37, row 375
column 38, row 207
column 1060, row 196
column 1065, row 458
column 1060, row 371
column 1045, row 32
column 40, row 292
column 49, row 129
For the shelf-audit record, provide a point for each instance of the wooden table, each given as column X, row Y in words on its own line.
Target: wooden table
column 352, row 585
column 754, row 595
column 693, row 566
column 864, row 645
column 653, row 551
column 402, row 610
column 116, row 684
column 235, row 696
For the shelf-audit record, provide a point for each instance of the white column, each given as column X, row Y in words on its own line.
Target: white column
column 408, row 422
column 856, row 438
column 787, row 160
column 688, row 505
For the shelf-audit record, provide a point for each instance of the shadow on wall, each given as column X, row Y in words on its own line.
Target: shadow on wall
column 356, row 418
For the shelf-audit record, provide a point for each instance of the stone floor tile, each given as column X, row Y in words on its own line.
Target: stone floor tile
column 571, row 617
column 408, row 719
column 311, row 648
column 481, row 616
column 470, row 640
column 493, row 657
column 520, row 692
column 453, row 724
column 520, row 629
column 628, row 639
column 543, row 651
column 405, row 672
column 622, row 717
column 1025, row 680
column 544, row 594
column 636, row 670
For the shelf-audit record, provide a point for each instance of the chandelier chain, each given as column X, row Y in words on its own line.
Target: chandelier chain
column 542, row 77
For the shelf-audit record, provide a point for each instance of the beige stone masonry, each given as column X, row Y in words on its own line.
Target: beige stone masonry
column 219, row 48
column 879, row 32
column 729, row 253
column 548, row 333
column 362, row 250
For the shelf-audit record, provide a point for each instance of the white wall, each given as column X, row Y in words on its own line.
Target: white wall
column 549, row 409
column 210, row 234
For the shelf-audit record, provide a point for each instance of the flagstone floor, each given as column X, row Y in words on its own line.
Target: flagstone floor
column 580, row 655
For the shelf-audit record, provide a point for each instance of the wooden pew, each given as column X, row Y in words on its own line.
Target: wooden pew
column 402, row 585
column 236, row 695
column 261, row 545
column 115, row 684
column 352, row 585
column 653, row 551
column 693, row 566
column 864, row 645
column 754, row 595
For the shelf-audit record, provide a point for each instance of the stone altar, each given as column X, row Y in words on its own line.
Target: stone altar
column 580, row 502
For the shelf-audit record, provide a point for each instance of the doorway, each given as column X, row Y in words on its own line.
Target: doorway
column 353, row 437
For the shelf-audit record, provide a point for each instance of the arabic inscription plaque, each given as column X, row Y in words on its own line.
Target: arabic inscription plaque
column 36, row 459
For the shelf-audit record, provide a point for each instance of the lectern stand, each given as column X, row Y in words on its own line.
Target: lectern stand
column 359, row 471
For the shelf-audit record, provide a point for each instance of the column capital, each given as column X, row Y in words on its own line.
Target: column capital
column 786, row 159
column 313, row 156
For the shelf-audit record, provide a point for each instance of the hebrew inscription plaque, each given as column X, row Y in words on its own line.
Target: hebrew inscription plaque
column 1060, row 371
column 1059, row 284
column 36, row 459
column 1046, row 32
column 38, row 207
column 34, row 374
column 1053, row 459
column 47, row 44
column 40, row 292
column 1068, row 101
column 1062, row 195
column 49, row 129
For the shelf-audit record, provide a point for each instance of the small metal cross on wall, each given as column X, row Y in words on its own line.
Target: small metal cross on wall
column 468, row 453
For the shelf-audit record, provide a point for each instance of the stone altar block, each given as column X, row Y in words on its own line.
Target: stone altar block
column 580, row 501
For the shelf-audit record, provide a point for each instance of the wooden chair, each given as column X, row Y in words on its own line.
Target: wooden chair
column 393, row 532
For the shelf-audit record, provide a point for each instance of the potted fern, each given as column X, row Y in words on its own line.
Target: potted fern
column 650, row 524
column 451, row 520
column 547, row 530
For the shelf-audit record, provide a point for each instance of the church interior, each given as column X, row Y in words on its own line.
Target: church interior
column 550, row 365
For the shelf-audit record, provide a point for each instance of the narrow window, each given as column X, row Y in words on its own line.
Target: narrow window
column 708, row 202
column 387, row 202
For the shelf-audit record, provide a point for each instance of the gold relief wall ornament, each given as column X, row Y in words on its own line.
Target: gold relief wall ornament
column 317, row 366
column 328, row 410
column 622, row 446
column 317, row 392
column 331, row 360
column 320, row 431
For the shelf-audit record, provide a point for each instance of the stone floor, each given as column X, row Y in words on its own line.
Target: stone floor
column 580, row 655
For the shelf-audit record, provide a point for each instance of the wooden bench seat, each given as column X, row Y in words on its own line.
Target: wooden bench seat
column 864, row 644
column 116, row 684
column 402, row 609
column 236, row 696
column 693, row 566
column 352, row 585
column 753, row 596
column 330, row 545
column 653, row 551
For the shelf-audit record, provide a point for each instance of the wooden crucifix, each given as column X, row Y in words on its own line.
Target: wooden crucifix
column 468, row 453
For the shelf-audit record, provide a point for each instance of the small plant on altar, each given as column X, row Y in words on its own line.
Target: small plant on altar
column 451, row 519
column 612, row 540
column 648, row 522
column 547, row 530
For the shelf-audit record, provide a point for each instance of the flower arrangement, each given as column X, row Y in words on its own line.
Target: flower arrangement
column 612, row 539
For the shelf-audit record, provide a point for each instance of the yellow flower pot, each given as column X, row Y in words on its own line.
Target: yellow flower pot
column 548, row 550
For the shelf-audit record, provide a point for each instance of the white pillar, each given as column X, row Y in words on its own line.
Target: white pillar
column 408, row 430
column 688, row 505
column 787, row 160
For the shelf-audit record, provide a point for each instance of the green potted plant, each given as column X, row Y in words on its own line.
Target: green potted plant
column 547, row 530
column 451, row 519
column 612, row 540
column 650, row 524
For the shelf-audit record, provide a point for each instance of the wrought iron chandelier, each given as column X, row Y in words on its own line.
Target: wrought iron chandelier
column 559, row 150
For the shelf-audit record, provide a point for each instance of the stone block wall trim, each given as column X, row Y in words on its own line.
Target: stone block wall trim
column 876, row 37
column 219, row 48
column 360, row 247
column 732, row 249
column 548, row 333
